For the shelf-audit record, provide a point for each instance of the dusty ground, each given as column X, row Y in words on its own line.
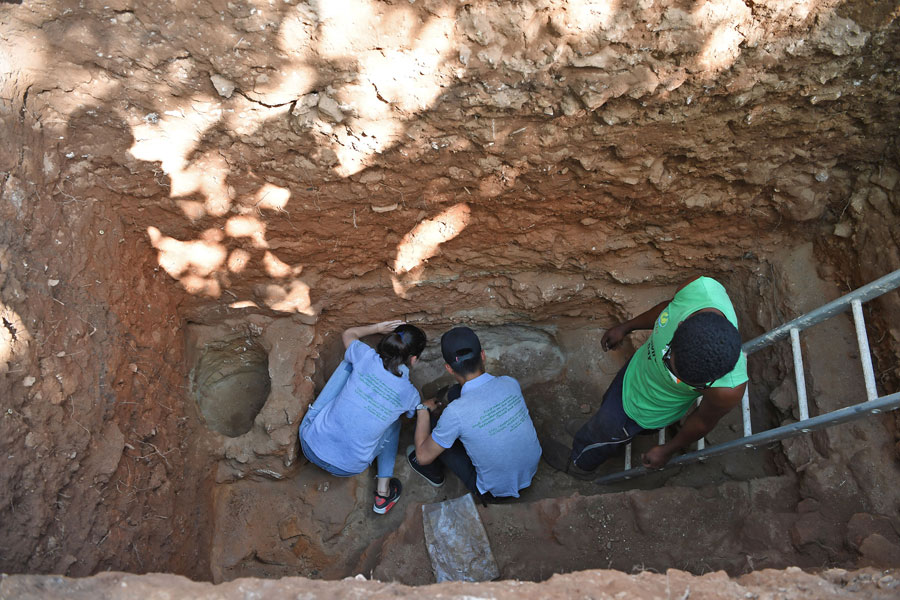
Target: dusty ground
column 178, row 172
column 792, row 584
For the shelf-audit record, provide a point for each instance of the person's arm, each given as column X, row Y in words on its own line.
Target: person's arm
column 426, row 448
column 354, row 333
column 717, row 402
column 614, row 335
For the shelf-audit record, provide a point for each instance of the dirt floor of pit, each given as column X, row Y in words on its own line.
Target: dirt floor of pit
column 740, row 512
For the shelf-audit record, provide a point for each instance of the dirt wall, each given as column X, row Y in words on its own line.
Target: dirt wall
column 169, row 163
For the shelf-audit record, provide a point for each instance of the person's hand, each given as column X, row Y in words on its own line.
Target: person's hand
column 656, row 457
column 388, row 326
column 433, row 406
column 613, row 337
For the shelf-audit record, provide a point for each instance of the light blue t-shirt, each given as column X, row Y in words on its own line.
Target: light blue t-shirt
column 492, row 421
column 347, row 430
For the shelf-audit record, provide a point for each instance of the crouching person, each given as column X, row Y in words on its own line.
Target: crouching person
column 484, row 435
column 356, row 417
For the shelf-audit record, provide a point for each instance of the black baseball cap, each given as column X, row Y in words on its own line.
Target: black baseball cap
column 458, row 345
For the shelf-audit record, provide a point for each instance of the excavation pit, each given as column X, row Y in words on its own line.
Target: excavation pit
column 754, row 506
column 176, row 176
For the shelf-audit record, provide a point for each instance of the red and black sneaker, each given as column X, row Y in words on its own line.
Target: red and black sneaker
column 386, row 503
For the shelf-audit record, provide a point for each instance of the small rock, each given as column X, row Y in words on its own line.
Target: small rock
column 588, row 221
column 601, row 60
column 886, row 177
column 569, row 105
column 329, row 107
column 223, row 86
column 784, row 396
column 28, row 381
column 53, row 282
column 465, row 53
column 877, row 551
column 384, row 209
column 843, row 229
column 836, row 576
column 585, row 409
column 305, row 103
column 862, row 525
column 371, row 176
column 64, row 563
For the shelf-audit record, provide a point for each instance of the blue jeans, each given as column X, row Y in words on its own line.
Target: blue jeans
column 387, row 447
column 608, row 431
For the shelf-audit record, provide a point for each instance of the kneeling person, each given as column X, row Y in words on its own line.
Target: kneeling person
column 485, row 435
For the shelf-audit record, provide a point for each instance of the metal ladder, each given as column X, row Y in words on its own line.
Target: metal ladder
column 873, row 404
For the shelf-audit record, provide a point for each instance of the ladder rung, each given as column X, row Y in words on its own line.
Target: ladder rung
column 865, row 355
column 745, row 410
column 799, row 374
column 701, row 443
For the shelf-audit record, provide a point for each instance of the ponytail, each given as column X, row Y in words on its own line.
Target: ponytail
column 399, row 347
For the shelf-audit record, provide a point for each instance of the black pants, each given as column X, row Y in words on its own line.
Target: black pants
column 608, row 432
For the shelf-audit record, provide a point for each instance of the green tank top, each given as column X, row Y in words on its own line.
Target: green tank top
column 650, row 396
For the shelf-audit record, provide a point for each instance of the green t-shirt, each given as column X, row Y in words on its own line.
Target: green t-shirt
column 650, row 395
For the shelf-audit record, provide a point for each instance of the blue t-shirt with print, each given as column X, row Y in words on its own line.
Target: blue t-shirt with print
column 347, row 431
column 492, row 421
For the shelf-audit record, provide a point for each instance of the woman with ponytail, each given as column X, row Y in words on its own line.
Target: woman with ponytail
column 356, row 417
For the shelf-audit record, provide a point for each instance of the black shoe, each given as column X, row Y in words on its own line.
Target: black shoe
column 574, row 424
column 431, row 473
column 558, row 456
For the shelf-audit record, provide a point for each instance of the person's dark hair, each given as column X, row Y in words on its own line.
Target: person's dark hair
column 398, row 347
column 467, row 366
column 705, row 347
column 461, row 349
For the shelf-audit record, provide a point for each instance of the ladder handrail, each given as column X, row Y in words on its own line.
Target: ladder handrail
column 835, row 417
column 867, row 292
